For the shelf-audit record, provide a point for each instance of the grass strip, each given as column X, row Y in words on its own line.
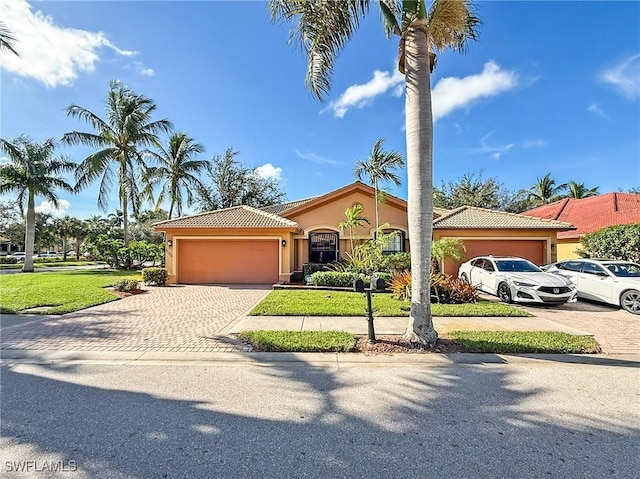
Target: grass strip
column 296, row 302
column 520, row 342
column 300, row 341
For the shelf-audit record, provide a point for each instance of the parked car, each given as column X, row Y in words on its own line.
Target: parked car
column 71, row 253
column 48, row 254
column 612, row 282
column 515, row 279
column 19, row 255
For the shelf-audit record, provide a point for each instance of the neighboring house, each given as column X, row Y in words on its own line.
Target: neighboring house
column 588, row 215
column 5, row 246
column 249, row 245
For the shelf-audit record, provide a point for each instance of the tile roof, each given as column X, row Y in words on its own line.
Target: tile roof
column 235, row 217
column 593, row 213
column 282, row 207
column 473, row 218
column 440, row 211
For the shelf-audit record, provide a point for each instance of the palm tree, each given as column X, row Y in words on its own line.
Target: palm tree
column 7, row 40
column 63, row 227
column 33, row 171
column 323, row 29
column 378, row 167
column 354, row 220
column 447, row 248
column 578, row 190
column 121, row 140
column 545, row 191
column 179, row 171
column 78, row 231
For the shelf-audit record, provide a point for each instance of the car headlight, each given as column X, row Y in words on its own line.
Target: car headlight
column 525, row 285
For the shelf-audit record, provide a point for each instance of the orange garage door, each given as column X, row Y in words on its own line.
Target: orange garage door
column 227, row 261
column 533, row 250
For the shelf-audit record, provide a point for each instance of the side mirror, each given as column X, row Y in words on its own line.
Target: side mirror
column 377, row 283
column 358, row 285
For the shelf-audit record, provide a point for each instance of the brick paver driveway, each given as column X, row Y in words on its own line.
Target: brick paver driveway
column 173, row 318
column 617, row 331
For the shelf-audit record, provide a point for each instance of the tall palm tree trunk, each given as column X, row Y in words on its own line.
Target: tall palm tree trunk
column 125, row 220
column 30, row 234
column 419, row 131
column 375, row 199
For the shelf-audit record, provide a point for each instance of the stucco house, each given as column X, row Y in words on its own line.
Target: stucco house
column 249, row 245
column 588, row 215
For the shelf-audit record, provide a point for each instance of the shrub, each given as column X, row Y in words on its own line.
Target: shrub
column 444, row 288
column 125, row 285
column 397, row 262
column 401, row 286
column 309, row 268
column 8, row 260
column 334, row 278
column 157, row 276
column 620, row 242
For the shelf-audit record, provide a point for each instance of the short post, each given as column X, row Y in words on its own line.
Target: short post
column 371, row 331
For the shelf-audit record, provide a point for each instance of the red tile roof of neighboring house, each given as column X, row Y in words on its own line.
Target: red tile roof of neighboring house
column 591, row 214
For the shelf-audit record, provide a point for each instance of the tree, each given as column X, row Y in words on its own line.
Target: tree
column 354, row 220
column 323, row 29
column 469, row 190
column 177, row 170
column 121, row 141
column 33, row 171
column 545, row 191
column 7, row 40
column 620, row 242
column 63, row 227
column 234, row 184
column 578, row 190
column 378, row 167
column 447, row 248
column 78, row 231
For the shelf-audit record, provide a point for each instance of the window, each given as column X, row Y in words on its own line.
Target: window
column 591, row 268
column 575, row 266
column 323, row 247
column 395, row 244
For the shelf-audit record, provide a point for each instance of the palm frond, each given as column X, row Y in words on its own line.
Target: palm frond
column 7, row 40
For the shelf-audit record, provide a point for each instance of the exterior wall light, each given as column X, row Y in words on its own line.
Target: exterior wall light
column 170, row 243
column 284, row 243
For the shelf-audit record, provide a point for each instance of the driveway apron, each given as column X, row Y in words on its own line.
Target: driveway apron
column 172, row 318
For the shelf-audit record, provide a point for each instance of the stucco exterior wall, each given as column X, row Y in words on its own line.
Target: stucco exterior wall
column 567, row 249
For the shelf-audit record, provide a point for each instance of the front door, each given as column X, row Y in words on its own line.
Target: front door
column 323, row 247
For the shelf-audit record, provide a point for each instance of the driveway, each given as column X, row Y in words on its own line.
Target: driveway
column 617, row 331
column 173, row 318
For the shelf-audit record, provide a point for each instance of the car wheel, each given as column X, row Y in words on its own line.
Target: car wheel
column 504, row 293
column 464, row 278
column 630, row 301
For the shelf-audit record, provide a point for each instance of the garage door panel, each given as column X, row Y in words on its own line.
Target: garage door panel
column 533, row 250
column 227, row 261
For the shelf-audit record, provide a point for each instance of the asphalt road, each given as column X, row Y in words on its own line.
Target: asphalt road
column 533, row 418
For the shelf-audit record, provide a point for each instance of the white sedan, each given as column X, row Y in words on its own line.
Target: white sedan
column 516, row 280
column 612, row 282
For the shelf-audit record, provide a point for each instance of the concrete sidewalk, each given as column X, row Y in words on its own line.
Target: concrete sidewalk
column 386, row 325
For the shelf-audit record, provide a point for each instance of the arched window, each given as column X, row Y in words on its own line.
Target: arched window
column 395, row 243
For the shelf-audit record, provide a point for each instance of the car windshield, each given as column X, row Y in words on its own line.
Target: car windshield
column 624, row 270
column 516, row 266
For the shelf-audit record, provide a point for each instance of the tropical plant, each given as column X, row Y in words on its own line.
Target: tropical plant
column 33, row 171
column 121, row 139
column 63, row 227
column 446, row 248
column 545, row 191
column 353, row 221
column 578, row 190
column 379, row 168
column 7, row 40
column 620, row 242
column 233, row 184
column 366, row 258
column 323, row 29
column 177, row 171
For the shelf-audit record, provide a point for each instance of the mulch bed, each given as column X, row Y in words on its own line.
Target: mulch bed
column 125, row 294
column 394, row 344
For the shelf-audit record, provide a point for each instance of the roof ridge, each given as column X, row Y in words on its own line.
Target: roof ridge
column 273, row 216
column 196, row 215
column 506, row 213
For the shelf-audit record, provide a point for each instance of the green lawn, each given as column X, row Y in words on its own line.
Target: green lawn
column 66, row 291
column 300, row 341
column 52, row 264
column 297, row 302
column 524, row 342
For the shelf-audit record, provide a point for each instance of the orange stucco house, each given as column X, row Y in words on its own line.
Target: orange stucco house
column 249, row 245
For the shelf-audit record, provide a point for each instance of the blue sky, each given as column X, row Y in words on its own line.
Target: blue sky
column 550, row 87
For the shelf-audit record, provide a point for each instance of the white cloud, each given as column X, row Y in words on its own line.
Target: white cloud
column 625, row 76
column 47, row 207
column 147, row 72
column 268, row 171
column 451, row 94
column 50, row 53
column 526, row 144
column 358, row 96
column 595, row 108
column 313, row 158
